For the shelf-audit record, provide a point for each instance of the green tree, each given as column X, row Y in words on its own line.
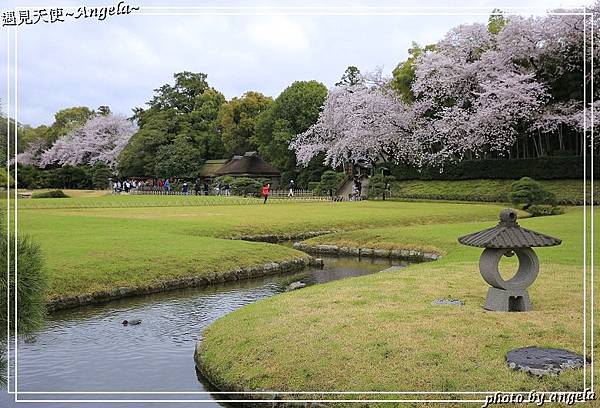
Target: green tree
column 186, row 111
column 104, row 110
column 179, row 159
column 68, row 177
column 404, row 73
column 293, row 112
column 527, row 192
column 330, row 181
column 379, row 186
column 100, row 173
column 497, row 21
column 66, row 120
column 351, row 77
column 237, row 121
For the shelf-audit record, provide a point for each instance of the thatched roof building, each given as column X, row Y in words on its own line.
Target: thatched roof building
column 210, row 167
column 248, row 165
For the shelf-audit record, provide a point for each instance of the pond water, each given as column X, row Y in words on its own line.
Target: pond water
column 88, row 349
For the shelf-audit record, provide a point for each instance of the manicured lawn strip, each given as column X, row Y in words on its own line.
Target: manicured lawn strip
column 125, row 201
column 99, row 248
column 568, row 192
column 380, row 332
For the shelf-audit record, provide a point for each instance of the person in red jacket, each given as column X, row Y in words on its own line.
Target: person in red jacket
column 265, row 192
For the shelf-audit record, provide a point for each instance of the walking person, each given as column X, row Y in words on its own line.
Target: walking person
column 197, row 187
column 266, row 190
column 291, row 187
column 184, row 188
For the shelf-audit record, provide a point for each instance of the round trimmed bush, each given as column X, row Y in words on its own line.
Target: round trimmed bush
column 527, row 192
column 50, row 194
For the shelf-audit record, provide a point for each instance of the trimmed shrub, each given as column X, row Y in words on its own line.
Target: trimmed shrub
column 222, row 180
column 50, row 194
column 568, row 192
column 245, row 186
column 538, row 210
column 379, row 186
column 100, row 174
column 330, row 182
column 527, row 192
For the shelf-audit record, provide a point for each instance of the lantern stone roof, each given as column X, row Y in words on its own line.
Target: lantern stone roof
column 508, row 234
column 250, row 164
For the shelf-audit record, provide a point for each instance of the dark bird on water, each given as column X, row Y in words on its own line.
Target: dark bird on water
column 132, row 322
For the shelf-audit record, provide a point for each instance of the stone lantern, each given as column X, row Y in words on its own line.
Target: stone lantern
column 508, row 239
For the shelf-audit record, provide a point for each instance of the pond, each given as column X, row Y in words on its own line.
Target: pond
column 88, row 349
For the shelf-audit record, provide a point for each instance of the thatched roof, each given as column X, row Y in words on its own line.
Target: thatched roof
column 250, row 164
column 211, row 166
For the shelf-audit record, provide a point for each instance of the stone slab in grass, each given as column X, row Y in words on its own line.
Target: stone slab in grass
column 448, row 302
column 544, row 361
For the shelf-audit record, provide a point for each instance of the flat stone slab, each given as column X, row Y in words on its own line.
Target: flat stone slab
column 393, row 268
column 296, row 285
column 448, row 302
column 543, row 361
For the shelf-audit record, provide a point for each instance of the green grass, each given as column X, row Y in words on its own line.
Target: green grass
column 381, row 333
column 98, row 248
column 568, row 192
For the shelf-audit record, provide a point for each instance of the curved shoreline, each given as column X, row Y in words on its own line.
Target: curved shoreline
column 202, row 369
column 247, row 394
column 270, row 268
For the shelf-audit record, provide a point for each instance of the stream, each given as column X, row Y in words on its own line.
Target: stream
column 88, row 349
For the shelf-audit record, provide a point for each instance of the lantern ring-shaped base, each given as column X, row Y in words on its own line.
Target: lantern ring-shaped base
column 528, row 268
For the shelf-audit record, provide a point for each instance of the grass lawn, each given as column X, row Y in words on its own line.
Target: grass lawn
column 107, row 242
column 381, row 333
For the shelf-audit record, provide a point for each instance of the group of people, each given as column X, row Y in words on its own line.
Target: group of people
column 356, row 188
column 186, row 188
column 127, row 185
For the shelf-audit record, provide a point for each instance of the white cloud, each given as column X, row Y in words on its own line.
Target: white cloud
column 278, row 33
column 119, row 61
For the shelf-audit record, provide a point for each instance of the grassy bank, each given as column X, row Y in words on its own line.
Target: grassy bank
column 99, row 248
column 568, row 192
column 381, row 333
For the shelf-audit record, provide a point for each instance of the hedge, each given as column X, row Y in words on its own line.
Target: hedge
column 568, row 192
column 542, row 168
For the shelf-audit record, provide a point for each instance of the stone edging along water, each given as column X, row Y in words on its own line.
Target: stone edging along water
column 102, row 296
column 408, row 254
column 274, row 238
column 244, row 394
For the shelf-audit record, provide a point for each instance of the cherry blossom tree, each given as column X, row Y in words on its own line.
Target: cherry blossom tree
column 100, row 139
column 363, row 121
column 32, row 155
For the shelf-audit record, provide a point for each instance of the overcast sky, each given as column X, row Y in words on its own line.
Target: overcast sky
column 119, row 61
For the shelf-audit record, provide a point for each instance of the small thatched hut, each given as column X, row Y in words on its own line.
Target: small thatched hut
column 250, row 165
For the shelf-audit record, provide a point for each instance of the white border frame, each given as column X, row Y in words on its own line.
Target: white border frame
column 298, row 11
